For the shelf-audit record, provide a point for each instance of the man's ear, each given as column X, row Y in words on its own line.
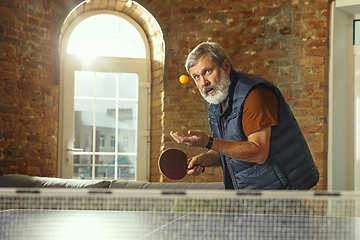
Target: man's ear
column 226, row 66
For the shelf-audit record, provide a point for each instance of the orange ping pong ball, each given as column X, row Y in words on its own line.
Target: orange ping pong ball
column 183, row 79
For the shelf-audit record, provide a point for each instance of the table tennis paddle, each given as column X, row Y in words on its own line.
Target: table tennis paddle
column 173, row 164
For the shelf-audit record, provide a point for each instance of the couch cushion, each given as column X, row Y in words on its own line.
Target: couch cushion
column 165, row 185
column 206, row 185
column 128, row 184
column 18, row 180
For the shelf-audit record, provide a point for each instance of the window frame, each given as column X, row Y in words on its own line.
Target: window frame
column 69, row 63
column 343, row 151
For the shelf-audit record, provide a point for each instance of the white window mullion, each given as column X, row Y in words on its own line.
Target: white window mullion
column 116, row 128
column 94, row 131
column 356, row 117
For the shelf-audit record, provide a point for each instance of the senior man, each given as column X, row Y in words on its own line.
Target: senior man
column 255, row 137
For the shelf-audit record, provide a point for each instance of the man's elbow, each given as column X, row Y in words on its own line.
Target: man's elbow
column 261, row 159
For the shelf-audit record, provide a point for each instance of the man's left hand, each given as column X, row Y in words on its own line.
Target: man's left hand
column 197, row 138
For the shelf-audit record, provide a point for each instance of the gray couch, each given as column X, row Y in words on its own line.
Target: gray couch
column 23, row 181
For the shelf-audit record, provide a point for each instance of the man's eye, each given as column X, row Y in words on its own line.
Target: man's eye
column 196, row 78
column 208, row 71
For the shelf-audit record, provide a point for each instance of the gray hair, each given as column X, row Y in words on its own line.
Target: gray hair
column 216, row 53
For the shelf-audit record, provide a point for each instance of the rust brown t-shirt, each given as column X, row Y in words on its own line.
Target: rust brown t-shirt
column 261, row 110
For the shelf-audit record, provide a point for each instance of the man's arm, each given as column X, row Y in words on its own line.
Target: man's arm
column 256, row 149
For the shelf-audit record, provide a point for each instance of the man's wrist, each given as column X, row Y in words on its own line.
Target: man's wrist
column 210, row 143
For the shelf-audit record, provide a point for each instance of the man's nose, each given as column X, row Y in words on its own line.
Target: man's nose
column 204, row 81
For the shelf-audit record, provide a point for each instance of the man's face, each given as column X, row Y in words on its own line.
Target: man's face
column 212, row 81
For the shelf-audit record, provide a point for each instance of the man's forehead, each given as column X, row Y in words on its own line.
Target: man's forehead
column 203, row 62
column 204, row 58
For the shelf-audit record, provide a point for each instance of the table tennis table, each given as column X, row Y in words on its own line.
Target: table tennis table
column 84, row 224
column 89, row 214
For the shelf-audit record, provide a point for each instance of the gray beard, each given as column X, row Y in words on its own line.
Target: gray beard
column 221, row 90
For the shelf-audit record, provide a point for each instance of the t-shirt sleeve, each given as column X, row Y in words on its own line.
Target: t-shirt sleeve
column 261, row 110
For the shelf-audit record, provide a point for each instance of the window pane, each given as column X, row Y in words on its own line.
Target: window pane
column 84, row 84
column 127, row 126
column 113, row 142
column 128, row 85
column 83, row 123
column 105, row 125
column 106, row 84
column 105, row 167
column 82, row 166
column 106, row 35
column 127, row 166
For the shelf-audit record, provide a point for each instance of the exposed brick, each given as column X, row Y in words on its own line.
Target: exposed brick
column 12, row 32
column 191, row 10
column 45, row 155
column 47, row 171
column 272, row 45
column 10, row 99
column 33, row 138
column 34, row 22
column 9, row 109
column 312, row 61
column 7, row 118
column 36, row 146
column 7, row 13
column 20, row 137
column 8, row 75
column 285, row 42
column 34, row 171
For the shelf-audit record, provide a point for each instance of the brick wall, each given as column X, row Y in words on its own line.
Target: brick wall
column 285, row 41
column 28, row 89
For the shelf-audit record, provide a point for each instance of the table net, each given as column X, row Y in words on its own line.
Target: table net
column 192, row 214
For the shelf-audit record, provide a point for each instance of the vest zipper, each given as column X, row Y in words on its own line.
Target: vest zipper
column 227, row 159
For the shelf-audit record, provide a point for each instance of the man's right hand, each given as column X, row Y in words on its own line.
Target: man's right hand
column 195, row 165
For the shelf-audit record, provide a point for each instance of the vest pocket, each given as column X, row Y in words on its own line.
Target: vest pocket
column 261, row 176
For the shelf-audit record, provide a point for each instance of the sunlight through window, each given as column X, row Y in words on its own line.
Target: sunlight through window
column 106, row 35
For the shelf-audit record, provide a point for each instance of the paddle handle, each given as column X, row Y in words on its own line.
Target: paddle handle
column 196, row 166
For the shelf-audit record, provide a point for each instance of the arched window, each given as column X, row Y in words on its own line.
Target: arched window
column 104, row 98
